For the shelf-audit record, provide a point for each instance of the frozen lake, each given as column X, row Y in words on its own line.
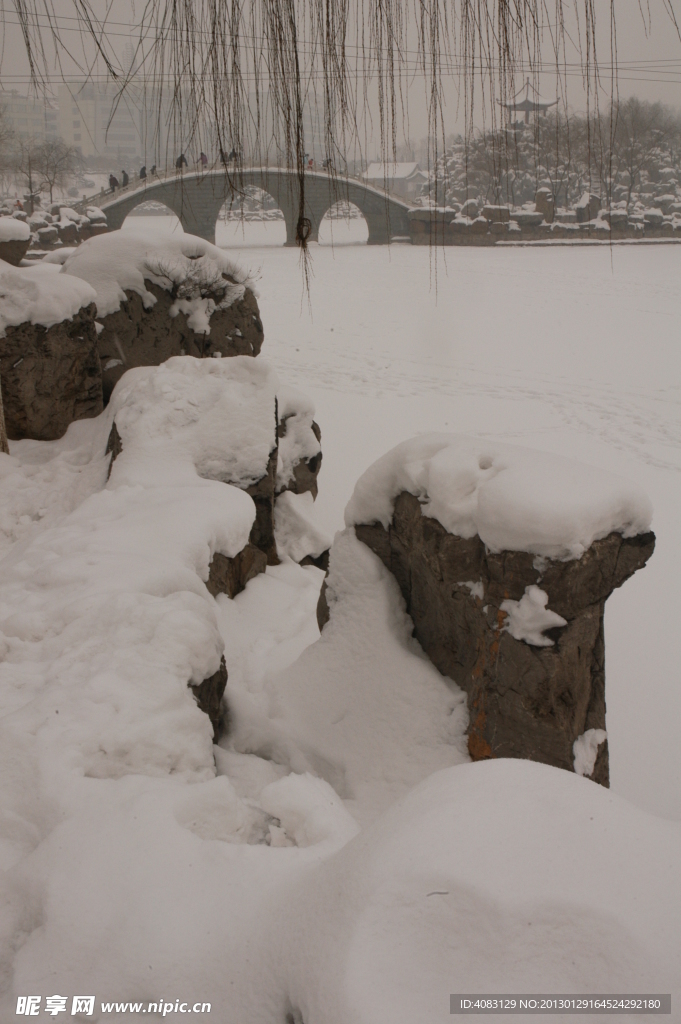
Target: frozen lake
column 573, row 351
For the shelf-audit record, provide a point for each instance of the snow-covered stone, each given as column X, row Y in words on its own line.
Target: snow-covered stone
column 49, row 364
column 544, row 548
column 300, row 452
column 165, row 297
column 513, row 498
column 15, row 238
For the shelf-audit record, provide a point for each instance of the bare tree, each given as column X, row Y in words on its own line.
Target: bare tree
column 24, row 162
column 639, row 131
column 56, row 163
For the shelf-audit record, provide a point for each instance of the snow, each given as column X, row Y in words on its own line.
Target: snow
column 120, row 261
column 36, row 295
column 513, row 498
column 528, row 618
column 363, row 707
column 501, row 876
column 585, row 749
column 59, row 256
column 346, row 862
column 12, row 230
column 214, row 417
column 295, row 529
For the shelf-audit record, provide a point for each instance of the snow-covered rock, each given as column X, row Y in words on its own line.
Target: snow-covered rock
column 300, row 452
column 49, row 363
column 165, row 297
column 15, row 238
column 505, row 558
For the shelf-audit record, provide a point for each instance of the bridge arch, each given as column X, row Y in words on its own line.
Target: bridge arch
column 152, row 212
column 343, row 224
column 239, row 208
column 197, row 198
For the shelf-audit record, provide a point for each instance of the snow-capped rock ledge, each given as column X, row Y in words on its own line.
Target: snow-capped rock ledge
column 162, row 298
column 505, row 557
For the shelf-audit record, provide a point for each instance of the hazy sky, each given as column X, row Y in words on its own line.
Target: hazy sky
column 649, row 55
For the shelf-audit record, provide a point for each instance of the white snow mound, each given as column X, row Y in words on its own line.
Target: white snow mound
column 37, row 295
column 214, row 417
column 500, row 876
column 12, row 230
column 120, row 261
column 514, row 498
column 362, row 707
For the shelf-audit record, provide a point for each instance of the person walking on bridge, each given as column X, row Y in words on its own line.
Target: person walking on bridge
column 181, row 162
column 143, row 173
column 125, row 179
column 113, row 182
column 203, row 160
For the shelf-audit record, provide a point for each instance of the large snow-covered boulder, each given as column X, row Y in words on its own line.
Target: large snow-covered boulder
column 51, row 373
column 544, row 204
column 15, row 238
column 163, row 298
column 505, row 558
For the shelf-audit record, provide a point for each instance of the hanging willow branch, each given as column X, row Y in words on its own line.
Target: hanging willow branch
column 240, row 75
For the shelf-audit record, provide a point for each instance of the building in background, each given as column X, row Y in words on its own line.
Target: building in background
column 30, row 117
column 91, row 120
column 401, row 179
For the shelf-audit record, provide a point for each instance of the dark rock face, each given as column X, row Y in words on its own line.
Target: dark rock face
column 14, row 250
column 230, row 575
column 135, row 336
column 209, row 696
column 50, row 377
column 262, row 492
column 524, row 701
column 68, row 233
column 544, row 204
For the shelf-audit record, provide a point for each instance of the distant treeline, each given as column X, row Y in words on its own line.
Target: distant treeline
column 628, row 153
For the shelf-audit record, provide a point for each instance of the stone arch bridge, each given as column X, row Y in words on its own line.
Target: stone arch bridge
column 197, row 198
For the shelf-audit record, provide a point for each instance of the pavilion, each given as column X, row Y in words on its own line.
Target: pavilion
column 528, row 106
